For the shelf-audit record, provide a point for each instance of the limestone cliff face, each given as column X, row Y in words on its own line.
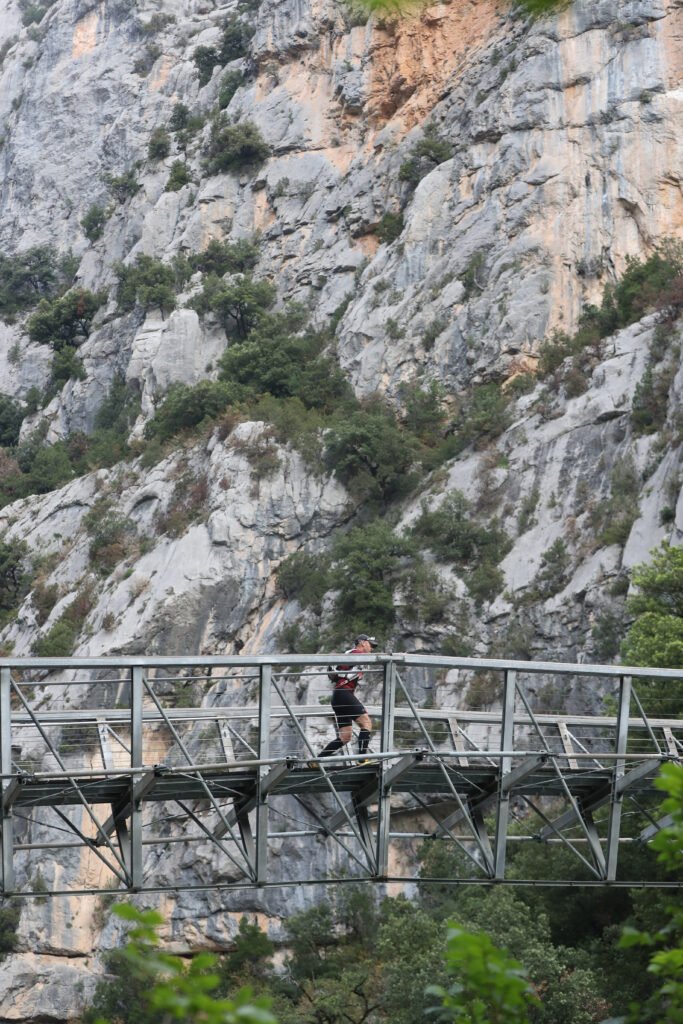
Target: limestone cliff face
column 565, row 139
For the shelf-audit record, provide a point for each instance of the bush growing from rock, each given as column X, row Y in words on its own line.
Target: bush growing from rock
column 29, row 276
column 179, row 176
column 65, row 321
column 276, row 361
column 11, row 417
column 122, row 186
column 94, row 221
column 371, row 455
column 230, row 83
column 305, row 578
column 452, row 532
column 185, row 407
column 238, row 305
column 149, row 283
column 159, row 144
column 233, row 45
column 235, row 148
column 14, row 574
column 390, row 226
column 425, row 155
column 220, row 258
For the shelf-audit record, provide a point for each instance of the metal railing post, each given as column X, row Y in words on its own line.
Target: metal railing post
column 617, row 799
column 7, row 834
column 136, row 764
column 386, row 745
column 265, row 676
column 503, row 797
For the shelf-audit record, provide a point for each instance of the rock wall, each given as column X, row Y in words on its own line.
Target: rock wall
column 565, row 160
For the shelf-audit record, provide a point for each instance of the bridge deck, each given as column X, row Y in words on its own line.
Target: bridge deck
column 111, row 757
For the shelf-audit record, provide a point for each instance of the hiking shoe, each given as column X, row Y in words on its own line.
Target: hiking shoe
column 313, row 764
column 365, row 762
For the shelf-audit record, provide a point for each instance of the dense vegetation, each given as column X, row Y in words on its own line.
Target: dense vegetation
column 354, row 960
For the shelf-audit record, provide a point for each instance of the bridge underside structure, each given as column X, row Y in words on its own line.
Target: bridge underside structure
column 109, row 764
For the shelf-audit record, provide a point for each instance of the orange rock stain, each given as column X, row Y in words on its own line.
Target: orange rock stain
column 414, row 58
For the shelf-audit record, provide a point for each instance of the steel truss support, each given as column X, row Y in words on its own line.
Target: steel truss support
column 466, row 773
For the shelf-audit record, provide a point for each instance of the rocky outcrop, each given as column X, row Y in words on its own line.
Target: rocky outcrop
column 558, row 157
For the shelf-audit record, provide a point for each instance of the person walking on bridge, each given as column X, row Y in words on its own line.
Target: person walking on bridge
column 345, row 704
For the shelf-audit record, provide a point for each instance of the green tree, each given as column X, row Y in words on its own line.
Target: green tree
column 371, row 454
column 151, row 986
column 185, row 407
column 656, row 635
column 489, row 987
column 179, row 176
column 66, row 320
column 220, row 258
column 14, row 574
column 367, row 567
column 159, row 144
column 238, row 305
column 666, row 944
column 149, row 283
column 11, row 417
column 27, row 277
column 93, row 222
column 235, row 147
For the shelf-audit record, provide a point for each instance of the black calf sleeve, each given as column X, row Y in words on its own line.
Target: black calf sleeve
column 332, row 747
column 363, row 741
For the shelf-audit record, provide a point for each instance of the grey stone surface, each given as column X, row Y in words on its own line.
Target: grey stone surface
column 566, row 155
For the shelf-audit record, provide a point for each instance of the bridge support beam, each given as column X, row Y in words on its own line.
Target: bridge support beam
column 614, row 825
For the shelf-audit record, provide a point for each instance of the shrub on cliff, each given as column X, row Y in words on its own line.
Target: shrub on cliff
column 179, row 176
column 371, row 455
column 185, row 407
column 14, row 574
column 11, row 416
column 238, row 305
column 149, row 283
column 30, row 276
column 235, row 148
column 222, row 258
column 65, row 321
column 159, row 144
column 93, row 222
column 233, row 45
column 430, row 151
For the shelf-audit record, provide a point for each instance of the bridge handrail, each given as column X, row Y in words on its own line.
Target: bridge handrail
column 255, row 661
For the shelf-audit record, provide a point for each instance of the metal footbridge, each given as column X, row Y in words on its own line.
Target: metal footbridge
column 164, row 774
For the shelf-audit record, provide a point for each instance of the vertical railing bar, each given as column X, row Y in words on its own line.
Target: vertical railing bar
column 69, row 779
column 503, row 798
column 136, row 767
column 264, row 698
column 626, row 691
column 587, row 828
column 386, row 745
column 7, row 833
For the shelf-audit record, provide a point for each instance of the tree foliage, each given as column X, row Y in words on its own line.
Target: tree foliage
column 235, row 147
column 65, row 321
column 149, row 283
column 158, row 986
column 656, row 635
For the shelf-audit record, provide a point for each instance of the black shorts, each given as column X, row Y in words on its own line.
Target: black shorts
column 346, row 707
